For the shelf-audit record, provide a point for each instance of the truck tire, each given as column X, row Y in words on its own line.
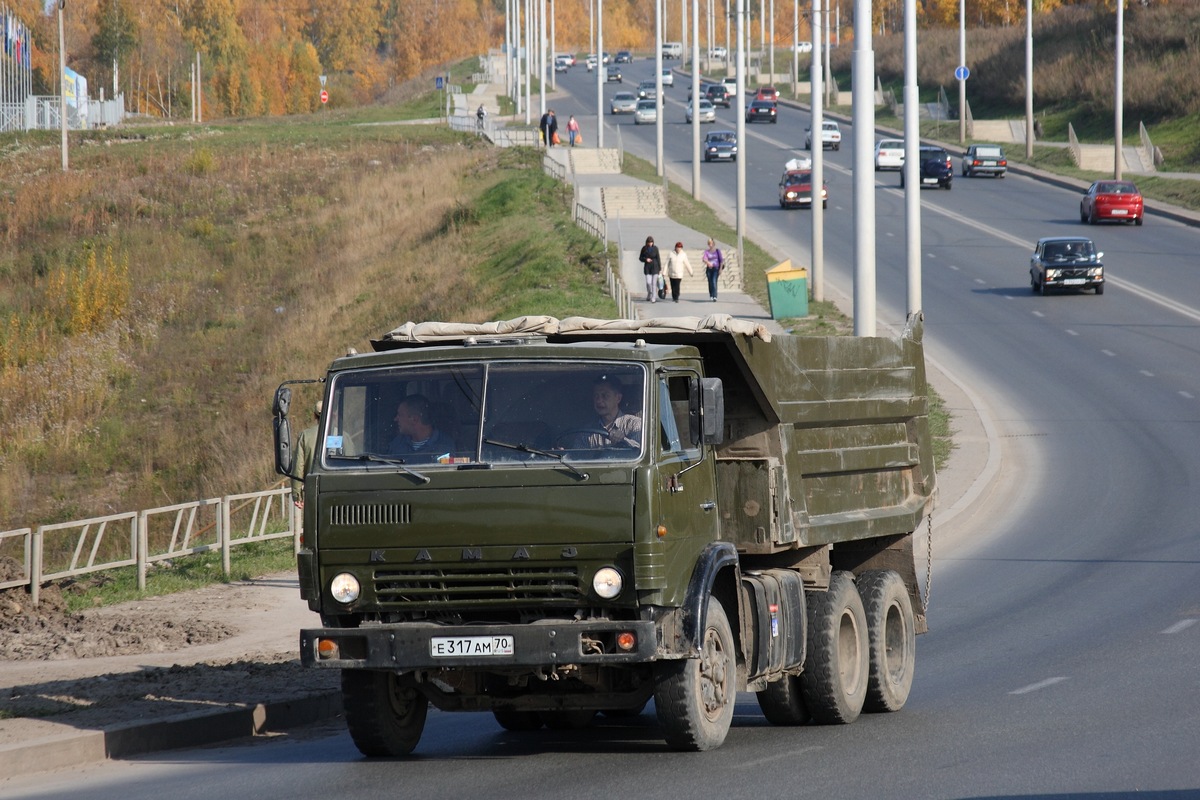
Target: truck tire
column 385, row 712
column 891, row 630
column 517, row 720
column 782, row 702
column 694, row 697
column 835, row 675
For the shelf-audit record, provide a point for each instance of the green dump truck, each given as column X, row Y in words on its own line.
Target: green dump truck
column 547, row 520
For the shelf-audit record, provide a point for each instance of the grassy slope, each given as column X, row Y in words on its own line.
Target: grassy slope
column 256, row 251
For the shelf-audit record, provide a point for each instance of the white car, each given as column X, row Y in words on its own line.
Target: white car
column 707, row 111
column 718, row 52
column 801, row 47
column 831, row 136
column 668, row 77
column 646, row 112
column 591, row 62
column 889, row 154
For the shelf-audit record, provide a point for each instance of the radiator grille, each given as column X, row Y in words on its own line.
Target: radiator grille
column 496, row 585
column 372, row 514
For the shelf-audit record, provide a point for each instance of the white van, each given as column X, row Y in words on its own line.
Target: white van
column 672, row 50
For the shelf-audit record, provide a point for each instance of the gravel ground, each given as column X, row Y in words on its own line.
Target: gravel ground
column 220, row 646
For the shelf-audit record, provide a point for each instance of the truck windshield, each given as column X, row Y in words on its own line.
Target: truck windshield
column 535, row 413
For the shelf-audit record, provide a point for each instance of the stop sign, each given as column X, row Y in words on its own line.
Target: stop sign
column 324, row 96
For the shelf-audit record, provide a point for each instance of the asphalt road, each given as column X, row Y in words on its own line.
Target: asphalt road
column 1062, row 660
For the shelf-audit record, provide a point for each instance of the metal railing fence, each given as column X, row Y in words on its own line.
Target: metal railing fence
column 141, row 538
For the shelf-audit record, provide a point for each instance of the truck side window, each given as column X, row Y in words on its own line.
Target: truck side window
column 673, row 411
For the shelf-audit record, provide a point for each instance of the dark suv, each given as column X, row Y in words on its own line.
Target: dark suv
column 935, row 168
column 717, row 94
column 1068, row 262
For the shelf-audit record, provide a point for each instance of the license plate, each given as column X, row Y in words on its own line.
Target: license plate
column 1074, row 282
column 929, row 180
column 1119, row 212
column 451, row 646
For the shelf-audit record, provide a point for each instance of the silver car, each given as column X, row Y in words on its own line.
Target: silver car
column 707, row 111
column 646, row 111
column 623, row 103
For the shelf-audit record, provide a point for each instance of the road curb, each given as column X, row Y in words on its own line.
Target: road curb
column 75, row 748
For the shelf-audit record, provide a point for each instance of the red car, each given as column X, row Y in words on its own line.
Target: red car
column 1119, row 200
column 795, row 190
column 767, row 93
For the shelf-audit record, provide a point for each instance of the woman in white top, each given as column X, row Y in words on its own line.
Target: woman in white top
column 677, row 262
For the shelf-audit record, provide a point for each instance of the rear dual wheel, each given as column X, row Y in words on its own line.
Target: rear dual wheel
column 834, row 682
column 891, row 632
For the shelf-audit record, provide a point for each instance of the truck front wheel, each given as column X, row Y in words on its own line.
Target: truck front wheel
column 835, row 674
column 891, row 630
column 385, row 712
column 695, row 697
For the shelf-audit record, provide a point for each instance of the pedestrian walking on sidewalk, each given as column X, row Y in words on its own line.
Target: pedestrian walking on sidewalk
column 549, row 126
column 573, row 131
column 651, row 268
column 677, row 264
column 714, row 262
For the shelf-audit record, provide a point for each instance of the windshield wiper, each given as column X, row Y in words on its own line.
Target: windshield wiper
column 398, row 462
column 521, row 447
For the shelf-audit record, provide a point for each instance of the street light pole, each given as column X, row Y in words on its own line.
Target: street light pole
column 62, row 83
column 1119, row 98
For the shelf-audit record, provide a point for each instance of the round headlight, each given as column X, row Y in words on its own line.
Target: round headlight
column 608, row 582
column 344, row 587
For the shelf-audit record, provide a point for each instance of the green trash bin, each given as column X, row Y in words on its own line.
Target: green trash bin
column 787, row 289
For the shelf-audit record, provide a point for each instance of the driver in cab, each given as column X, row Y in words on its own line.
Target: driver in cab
column 614, row 428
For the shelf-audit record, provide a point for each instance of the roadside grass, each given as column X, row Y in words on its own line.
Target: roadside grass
column 246, row 562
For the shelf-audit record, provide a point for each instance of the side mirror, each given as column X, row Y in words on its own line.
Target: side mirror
column 706, row 411
column 283, row 431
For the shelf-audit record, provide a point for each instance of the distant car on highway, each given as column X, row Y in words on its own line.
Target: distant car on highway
column 717, row 94
column 668, row 77
column 1066, row 262
column 623, row 103
column 831, row 136
column 591, row 62
column 614, row 73
column 624, row 57
column 767, row 93
column 646, row 112
column 935, row 168
column 647, row 90
column 718, row 52
column 720, row 146
column 705, row 110
column 795, row 190
column 984, row 159
column 762, row 111
column 889, row 154
column 1119, row 200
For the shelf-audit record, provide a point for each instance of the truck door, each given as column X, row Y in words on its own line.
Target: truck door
column 685, row 486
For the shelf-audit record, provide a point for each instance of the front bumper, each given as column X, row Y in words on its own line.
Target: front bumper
column 409, row 646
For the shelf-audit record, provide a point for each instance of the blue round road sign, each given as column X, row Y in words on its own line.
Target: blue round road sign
column 961, row 73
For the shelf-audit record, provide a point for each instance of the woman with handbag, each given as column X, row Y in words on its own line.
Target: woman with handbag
column 651, row 268
column 714, row 262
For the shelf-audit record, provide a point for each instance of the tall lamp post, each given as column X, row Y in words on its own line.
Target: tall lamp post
column 62, row 83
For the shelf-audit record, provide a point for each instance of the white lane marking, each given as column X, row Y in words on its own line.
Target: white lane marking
column 1182, row 625
column 1071, row 332
column 954, row 267
column 1038, row 314
column 1109, row 353
column 1147, row 373
column 1033, row 687
column 1146, row 294
column 979, row 281
column 1186, row 395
